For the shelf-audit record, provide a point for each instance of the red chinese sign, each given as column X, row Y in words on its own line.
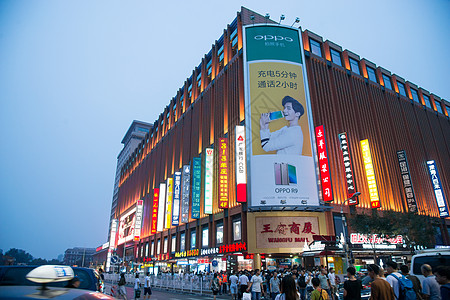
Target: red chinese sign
column 155, row 210
column 324, row 166
column 237, row 247
column 223, row 173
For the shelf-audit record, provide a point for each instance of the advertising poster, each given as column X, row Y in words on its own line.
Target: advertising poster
column 209, row 165
column 161, row 206
column 241, row 165
column 281, row 164
column 169, row 198
column 437, row 187
column 196, row 186
column 324, row 165
column 370, row 174
column 223, row 173
column 407, row 182
column 126, row 227
column 185, row 194
column 348, row 168
column 176, row 198
column 138, row 222
column 155, row 210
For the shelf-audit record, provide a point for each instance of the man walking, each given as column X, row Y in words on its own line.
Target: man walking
column 256, row 286
column 243, row 284
column 430, row 287
column 274, row 286
column 392, row 269
column 380, row 289
column 234, row 286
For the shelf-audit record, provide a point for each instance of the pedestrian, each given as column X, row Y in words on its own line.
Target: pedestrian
column 352, row 286
column 147, row 287
column 417, row 287
column 332, row 281
column 324, row 281
column 302, row 284
column 288, row 289
column 243, row 284
column 224, row 283
column 234, row 286
column 137, row 287
column 443, row 278
column 256, row 286
column 319, row 293
column 122, row 288
column 430, row 287
column 309, row 287
column 214, row 285
column 380, row 289
column 274, row 285
column 392, row 270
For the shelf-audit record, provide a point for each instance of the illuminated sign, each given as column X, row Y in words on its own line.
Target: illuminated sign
column 161, row 203
column 348, row 167
column 324, row 166
column 209, row 251
column 176, row 198
column 112, row 243
column 236, row 247
column 155, row 211
column 169, row 197
column 138, row 222
column 407, row 183
column 196, row 186
column 223, row 173
column 437, row 187
column 126, row 226
column 209, row 160
column 185, row 194
column 188, row 253
column 357, row 238
column 370, row 174
column 279, row 125
column 241, row 165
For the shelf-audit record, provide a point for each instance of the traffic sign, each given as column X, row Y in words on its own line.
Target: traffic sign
column 114, row 259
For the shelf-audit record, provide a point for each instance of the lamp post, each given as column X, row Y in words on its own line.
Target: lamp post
column 344, row 225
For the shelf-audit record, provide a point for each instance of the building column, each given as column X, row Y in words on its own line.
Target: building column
column 257, row 261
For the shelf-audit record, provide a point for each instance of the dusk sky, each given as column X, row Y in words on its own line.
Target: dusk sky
column 75, row 74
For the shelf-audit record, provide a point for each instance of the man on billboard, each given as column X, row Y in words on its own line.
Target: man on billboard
column 289, row 139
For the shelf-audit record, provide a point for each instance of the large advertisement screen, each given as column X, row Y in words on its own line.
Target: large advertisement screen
column 126, row 226
column 279, row 121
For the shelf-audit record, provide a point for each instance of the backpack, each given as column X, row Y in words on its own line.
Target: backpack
column 405, row 288
column 215, row 285
column 301, row 282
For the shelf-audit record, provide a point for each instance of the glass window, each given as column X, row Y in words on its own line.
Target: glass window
column 158, row 247
column 152, row 249
column 173, row 246
column 354, row 65
column 387, row 82
column 219, row 234
column 193, row 240
column 237, row 230
column 205, row 239
column 427, row 101
column 401, row 88
column 371, row 73
column 439, row 107
column 315, row 47
column 146, row 249
column 415, row 95
column 182, row 242
column 166, row 244
column 336, row 57
column 220, row 53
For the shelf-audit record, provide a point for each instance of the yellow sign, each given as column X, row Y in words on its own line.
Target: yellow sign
column 370, row 174
column 169, row 197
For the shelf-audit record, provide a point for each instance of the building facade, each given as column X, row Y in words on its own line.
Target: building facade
column 183, row 203
column 78, row 256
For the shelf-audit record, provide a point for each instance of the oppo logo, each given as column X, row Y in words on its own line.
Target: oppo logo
column 275, row 38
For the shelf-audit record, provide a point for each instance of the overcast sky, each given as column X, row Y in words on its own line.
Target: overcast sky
column 75, row 74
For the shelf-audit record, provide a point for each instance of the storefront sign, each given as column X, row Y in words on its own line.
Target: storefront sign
column 370, row 174
column 348, row 167
column 357, row 238
column 236, row 247
column 223, row 173
column 185, row 194
column 437, row 187
column 203, row 261
column 138, row 222
column 241, row 165
column 169, row 198
column 285, row 232
column 407, row 183
column 176, row 198
column 126, row 226
column 209, row 251
column 112, row 242
column 196, row 186
column 188, row 253
column 278, row 118
column 324, row 166
column 161, row 205
column 209, row 163
column 155, row 210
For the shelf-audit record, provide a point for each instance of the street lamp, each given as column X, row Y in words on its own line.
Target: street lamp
column 344, row 225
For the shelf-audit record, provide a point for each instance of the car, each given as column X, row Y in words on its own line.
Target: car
column 433, row 257
column 16, row 275
column 38, row 281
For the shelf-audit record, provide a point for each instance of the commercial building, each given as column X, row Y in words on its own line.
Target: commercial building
column 222, row 181
column 78, row 256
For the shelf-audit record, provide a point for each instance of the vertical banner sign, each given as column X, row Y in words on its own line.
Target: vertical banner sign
column 209, row 163
column 138, row 222
column 348, row 167
column 161, row 206
column 223, row 173
column 278, row 118
column 112, row 243
column 324, row 166
column 169, row 198
column 241, row 165
column 437, row 187
column 407, row 182
column 155, row 210
column 196, row 186
column 176, row 198
column 370, row 174
column 185, row 194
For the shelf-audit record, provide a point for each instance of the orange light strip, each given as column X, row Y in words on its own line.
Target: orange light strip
column 370, row 174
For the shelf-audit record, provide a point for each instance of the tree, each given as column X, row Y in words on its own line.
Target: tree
column 20, row 255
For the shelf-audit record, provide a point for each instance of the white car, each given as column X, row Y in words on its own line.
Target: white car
column 432, row 257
